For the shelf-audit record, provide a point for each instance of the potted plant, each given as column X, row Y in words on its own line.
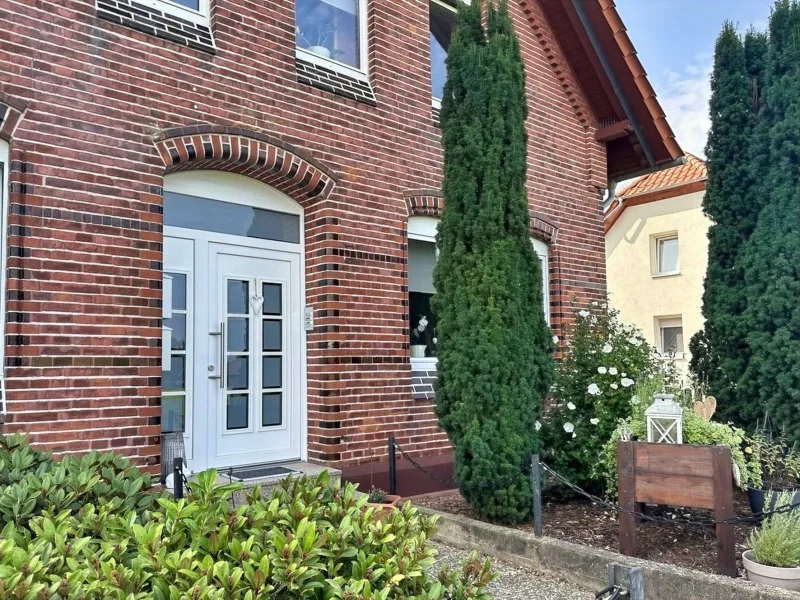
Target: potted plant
column 382, row 502
column 774, row 555
column 318, row 44
column 780, row 469
column 422, row 337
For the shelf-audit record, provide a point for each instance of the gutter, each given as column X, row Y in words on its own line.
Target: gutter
column 638, row 173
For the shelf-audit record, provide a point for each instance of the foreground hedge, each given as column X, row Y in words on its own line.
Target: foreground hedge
column 92, row 528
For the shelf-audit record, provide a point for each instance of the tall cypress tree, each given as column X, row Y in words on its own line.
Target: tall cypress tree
column 720, row 352
column 494, row 349
column 772, row 254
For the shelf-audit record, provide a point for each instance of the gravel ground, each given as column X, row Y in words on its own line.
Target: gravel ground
column 514, row 583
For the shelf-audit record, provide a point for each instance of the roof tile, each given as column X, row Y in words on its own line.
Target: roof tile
column 693, row 170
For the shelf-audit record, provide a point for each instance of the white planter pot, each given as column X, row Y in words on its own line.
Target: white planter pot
column 787, row 579
column 320, row 50
column 417, row 350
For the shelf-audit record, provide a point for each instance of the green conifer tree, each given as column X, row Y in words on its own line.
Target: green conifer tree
column 494, row 350
column 772, row 255
column 720, row 352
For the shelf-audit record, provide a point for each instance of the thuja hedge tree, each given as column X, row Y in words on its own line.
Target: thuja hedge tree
column 720, row 352
column 494, row 348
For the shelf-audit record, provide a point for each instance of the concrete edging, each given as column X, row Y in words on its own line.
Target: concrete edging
column 588, row 567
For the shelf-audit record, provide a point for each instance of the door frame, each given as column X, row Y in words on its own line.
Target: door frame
column 218, row 185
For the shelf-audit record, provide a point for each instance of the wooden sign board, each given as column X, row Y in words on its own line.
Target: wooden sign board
column 677, row 475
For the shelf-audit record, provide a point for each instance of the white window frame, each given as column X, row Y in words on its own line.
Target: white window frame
column 423, row 229
column 201, row 16
column 661, row 324
column 4, row 168
column 437, row 102
column 362, row 72
column 543, row 252
column 656, row 257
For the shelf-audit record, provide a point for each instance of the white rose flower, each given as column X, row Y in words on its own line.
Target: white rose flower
column 555, row 339
column 583, row 313
column 570, row 406
column 624, row 374
column 635, row 400
column 607, row 348
column 574, row 435
column 602, row 370
column 614, row 386
column 538, row 426
column 594, row 303
column 593, row 389
column 594, row 421
column 635, row 341
column 613, row 371
column 626, row 382
column 569, row 427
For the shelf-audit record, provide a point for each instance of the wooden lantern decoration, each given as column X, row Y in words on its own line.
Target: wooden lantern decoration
column 664, row 420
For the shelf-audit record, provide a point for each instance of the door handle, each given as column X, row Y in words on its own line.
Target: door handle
column 221, row 335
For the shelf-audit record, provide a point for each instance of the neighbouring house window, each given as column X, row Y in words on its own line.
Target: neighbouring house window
column 442, row 24
column 332, row 30
column 670, row 336
column 667, row 255
column 173, row 381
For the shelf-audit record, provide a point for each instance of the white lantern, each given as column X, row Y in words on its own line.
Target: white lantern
column 664, row 420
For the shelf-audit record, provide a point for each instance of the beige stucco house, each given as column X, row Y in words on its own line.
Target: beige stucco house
column 656, row 256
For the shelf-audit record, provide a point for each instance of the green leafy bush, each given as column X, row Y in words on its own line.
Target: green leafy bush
column 605, row 359
column 695, row 431
column 312, row 539
column 777, row 542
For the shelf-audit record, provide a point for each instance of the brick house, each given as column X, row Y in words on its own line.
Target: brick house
column 258, row 184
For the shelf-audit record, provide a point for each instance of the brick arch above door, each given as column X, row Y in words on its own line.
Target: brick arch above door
column 254, row 154
column 11, row 111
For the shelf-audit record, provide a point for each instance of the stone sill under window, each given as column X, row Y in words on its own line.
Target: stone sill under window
column 158, row 23
column 335, row 82
column 669, row 274
column 423, row 374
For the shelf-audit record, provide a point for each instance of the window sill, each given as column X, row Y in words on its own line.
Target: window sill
column 424, row 364
column 675, row 357
column 332, row 77
column 662, row 275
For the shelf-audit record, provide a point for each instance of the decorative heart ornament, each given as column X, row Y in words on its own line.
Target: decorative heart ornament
column 705, row 408
column 256, row 302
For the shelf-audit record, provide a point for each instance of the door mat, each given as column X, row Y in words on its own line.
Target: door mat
column 255, row 472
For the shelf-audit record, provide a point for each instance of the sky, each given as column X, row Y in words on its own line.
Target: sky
column 675, row 42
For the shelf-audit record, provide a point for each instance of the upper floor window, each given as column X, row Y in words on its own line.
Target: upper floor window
column 442, row 24
column 666, row 255
column 332, row 32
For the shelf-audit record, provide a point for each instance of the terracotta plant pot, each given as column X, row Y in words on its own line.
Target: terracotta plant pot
column 784, row 578
column 384, row 508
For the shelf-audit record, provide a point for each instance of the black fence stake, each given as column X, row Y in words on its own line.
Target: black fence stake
column 177, row 469
column 392, row 467
column 536, row 486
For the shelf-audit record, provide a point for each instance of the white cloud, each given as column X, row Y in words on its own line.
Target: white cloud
column 684, row 96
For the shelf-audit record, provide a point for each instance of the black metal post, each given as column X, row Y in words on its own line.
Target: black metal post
column 177, row 470
column 536, row 486
column 392, row 467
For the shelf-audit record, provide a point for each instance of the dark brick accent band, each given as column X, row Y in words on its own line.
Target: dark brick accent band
column 543, row 229
column 10, row 113
column 422, row 383
column 332, row 81
column 427, row 203
column 249, row 153
column 158, row 23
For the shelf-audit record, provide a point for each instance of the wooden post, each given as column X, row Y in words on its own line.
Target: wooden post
column 536, row 486
column 627, row 500
column 723, row 509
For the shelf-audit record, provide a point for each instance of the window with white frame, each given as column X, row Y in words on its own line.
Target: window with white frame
column 193, row 10
column 4, row 154
column 670, row 336
column 542, row 254
column 332, row 32
column 666, row 255
column 174, row 380
column 442, row 24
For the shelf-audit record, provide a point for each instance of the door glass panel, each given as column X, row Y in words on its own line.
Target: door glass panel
column 178, row 291
column 238, row 297
column 238, row 334
column 271, row 409
column 272, row 336
column 272, row 298
column 175, row 378
column 237, row 411
column 272, row 371
column 173, row 382
column 237, row 371
column 178, row 325
column 173, row 415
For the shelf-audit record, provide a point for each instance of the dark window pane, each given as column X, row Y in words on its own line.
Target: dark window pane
column 175, row 378
column 178, row 325
column 172, row 414
column 271, row 409
column 272, row 336
column 193, row 4
column 237, row 372
column 422, row 325
column 238, row 297
column 672, row 339
column 178, row 291
column 442, row 21
column 271, row 367
column 238, row 334
column 191, row 212
column 272, row 298
column 329, row 28
column 237, row 411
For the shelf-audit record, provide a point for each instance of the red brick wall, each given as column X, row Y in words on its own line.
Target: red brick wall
column 86, row 243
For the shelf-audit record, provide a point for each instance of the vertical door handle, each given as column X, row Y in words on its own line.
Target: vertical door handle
column 221, row 335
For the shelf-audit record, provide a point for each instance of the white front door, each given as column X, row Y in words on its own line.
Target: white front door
column 254, row 322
